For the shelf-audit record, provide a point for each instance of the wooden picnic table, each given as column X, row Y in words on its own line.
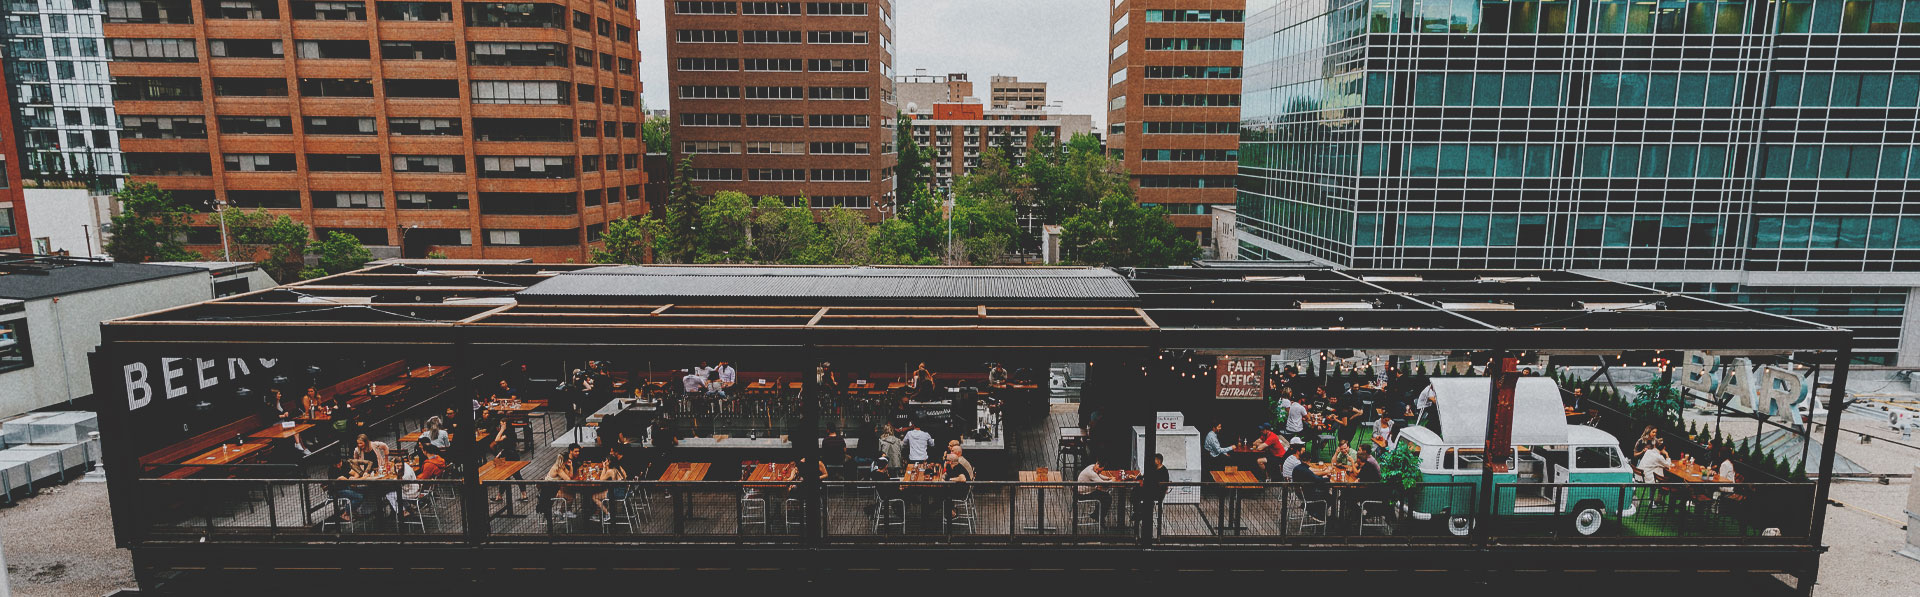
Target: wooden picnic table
column 1694, row 472
column 772, row 471
column 1039, row 496
column 685, row 471
column 521, row 407
column 276, row 431
column 1234, row 480
column 1333, row 473
column 478, row 436
column 501, row 469
column 223, row 454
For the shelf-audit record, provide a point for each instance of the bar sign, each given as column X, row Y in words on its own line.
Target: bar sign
column 1240, row 377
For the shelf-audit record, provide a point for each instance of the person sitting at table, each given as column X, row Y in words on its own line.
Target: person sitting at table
column 1271, row 450
column 1647, row 438
column 370, row 451
column 432, row 464
column 996, row 376
column 278, row 406
column 1343, row 456
column 1213, row 453
column 1366, row 468
column 1382, row 428
column 612, row 470
column 833, row 449
column 693, row 384
column 1296, row 449
column 1303, row 473
column 1654, row 462
column 411, row 491
column 501, row 444
column 432, row 434
column 919, row 444
column 504, row 391
column 1094, row 473
column 953, row 448
column 725, row 375
column 1725, row 471
column 342, row 474
column 563, row 469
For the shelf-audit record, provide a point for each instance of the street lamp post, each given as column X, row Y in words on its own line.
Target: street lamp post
column 403, row 239
column 226, row 251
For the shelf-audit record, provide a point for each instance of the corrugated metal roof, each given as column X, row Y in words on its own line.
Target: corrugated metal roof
column 818, row 284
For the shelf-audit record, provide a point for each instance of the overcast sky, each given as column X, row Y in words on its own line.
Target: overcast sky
column 1061, row 42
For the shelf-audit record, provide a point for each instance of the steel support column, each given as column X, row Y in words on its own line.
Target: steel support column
column 1836, row 402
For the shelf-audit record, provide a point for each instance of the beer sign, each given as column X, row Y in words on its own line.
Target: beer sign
column 1240, row 378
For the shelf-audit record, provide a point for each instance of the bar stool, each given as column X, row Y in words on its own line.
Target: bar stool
column 793, row 513
column 619, row 513
column 753, row 511
column 557, row 515
column 962, row 512
column 889, row 512
column 1087, row 513
column 1382, row 518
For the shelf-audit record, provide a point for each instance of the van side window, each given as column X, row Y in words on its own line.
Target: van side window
column 1596, row 457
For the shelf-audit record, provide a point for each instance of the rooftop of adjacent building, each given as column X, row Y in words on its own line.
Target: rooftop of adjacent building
column 29, row 277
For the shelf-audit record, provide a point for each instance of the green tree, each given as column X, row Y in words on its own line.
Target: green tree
column 626, row 240
column 914, row 169
column 657, row 133
column 151, row 226
column 984, row 229
column 1121, row 233
column 340, row 252
column 845, row 238
column 784, row 233
column 725, row 233
column 282, row 240
column 679, row 235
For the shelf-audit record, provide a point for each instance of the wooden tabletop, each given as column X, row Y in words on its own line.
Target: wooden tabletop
column 500, row 469
column 1694, row 472
column 1236, row 477
column 478, row 436
column 524, row 406
column 685, row 471
column 771, row 471
column 1037, row 476
column 1332, row 473
column 924, row 473
column 278, row 432
column 219, row 455
column 761, row 386
column 1071, row 433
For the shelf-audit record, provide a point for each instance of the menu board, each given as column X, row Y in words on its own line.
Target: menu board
column 1240, row 378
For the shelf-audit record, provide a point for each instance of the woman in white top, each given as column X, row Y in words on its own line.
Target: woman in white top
column 1654, row 463
column 409, row 491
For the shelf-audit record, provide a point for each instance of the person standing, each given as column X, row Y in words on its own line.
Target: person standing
column 833, row 449
column 892, row 447
column 919, row 444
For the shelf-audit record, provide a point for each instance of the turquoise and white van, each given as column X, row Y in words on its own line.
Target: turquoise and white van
column 1546, row 450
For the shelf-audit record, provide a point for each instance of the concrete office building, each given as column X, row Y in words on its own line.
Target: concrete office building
column 920, row 91
column 1756, row 153
column 474, row 129
column 1011, row 92
column 62, row 100
column 1173, row 108
column 786, row 99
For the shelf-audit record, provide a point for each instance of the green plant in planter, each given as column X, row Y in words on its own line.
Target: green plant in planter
column 1400, row 469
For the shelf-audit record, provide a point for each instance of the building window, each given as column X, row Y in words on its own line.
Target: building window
column 846, row 201
column 839, row 148
column 339, row 125
column 772, row 120
column 710, row 147
column 841, row 175
column 836, row 65
column 243, row 9
column 1191, row 128
column 526, row 167
column 704, row 8
column 709, row 64
column 839, row 120
column 251, row 87
column 836, row 8
column 837, row 93
column 336, row 87
column 1192, row 99
column 416, row 11
column 772, row 64
column 1190, row 155
column 777, row 147
column 330, row 11
column 776, row 93
column 429, row 164
column 707, row 36
column 424, row 126
column 1196, row 16
column 416, row 50
column 837, row 37
column 709, row 92
column 769, row 8
column 245, row 48
column 772, row 37
column 255, row 125
column 692, row 119
column 776, row 174
column 261, row 199
column 519, row 92
column 6, row 222
column 496, row 53
column 1194, row 43
column 516, row 14
column 16, row 349
column 177, row 12
column 1193, row 72
column 348, row 200
column 153, row 50
column 163, row 127
column 716, row 174
column 430, row 200
column 259, row 162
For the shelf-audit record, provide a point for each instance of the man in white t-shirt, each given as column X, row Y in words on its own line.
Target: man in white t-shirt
column 726, row 375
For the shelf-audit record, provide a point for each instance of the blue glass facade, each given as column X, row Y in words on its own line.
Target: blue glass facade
column 1594, row 135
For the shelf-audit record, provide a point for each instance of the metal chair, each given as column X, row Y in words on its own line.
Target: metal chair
column 1087, row 513
column 962, row 512
column 793, row 513
column 619, row 513
column 557, row 515
column 889, row 512
column 1301, row 515
column 1383, row 519
column 753, row 510
column 341, row 506
column 419, row 514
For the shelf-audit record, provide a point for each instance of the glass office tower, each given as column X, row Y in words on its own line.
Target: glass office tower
column 56, row 67
column 1761, row 153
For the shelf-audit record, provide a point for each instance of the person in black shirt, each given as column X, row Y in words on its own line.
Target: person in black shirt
column 1153, row 489
column 1303, row 473
column 1366, row 469
column 833, row 450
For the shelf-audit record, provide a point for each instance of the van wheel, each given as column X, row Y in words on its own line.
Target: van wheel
column 1459, row 526
column 1588, row 520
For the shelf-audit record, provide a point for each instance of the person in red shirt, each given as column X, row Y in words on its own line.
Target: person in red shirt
column 432, row 465
column 1273, row 450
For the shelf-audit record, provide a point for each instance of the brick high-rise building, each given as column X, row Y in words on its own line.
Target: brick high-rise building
column 920, row 91
column 476, row 129
column 787, row 99
column 1012, row 93
column 1174, row 103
